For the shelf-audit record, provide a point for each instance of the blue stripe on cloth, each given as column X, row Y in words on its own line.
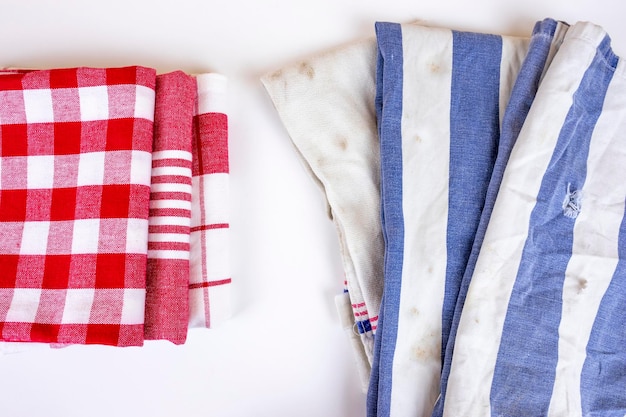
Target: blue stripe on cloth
column 389, row 112
column 603, row 378
column 474, row 136
column 364, row 326
column 528, row 350
column 521, row 98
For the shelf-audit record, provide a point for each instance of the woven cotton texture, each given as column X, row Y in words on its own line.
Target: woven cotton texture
column 167, row 301
column 541, row 331
column 326, row 103
column 74, row 188
column 209, row 281
column 437, row 157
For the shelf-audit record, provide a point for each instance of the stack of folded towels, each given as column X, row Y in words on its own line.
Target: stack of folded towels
column 476, row 182
column 113, row 205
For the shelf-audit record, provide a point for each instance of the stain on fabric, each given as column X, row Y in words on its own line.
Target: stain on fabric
column 342, row 142
column 425, row 352
column 307, row 69
column 434, row 67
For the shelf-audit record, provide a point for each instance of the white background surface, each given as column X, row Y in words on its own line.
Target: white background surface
column 283, row 353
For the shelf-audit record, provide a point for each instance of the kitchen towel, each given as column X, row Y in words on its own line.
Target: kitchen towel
column 546, row 37
column 167, row 283
column 326, row 103
column 209, row 280
column 440, row 99
column 540, row 331
column 74, row 189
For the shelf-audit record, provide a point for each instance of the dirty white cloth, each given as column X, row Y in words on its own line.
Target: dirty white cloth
column 326, row 103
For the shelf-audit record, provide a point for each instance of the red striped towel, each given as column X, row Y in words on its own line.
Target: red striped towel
column 167, row 301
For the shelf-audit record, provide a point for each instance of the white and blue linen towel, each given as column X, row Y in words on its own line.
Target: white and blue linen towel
column 540, row 332
column 441, row 100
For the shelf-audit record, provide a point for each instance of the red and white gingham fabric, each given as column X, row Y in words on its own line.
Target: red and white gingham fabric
column 209, row 282
column 167, row 301
column 75, row 166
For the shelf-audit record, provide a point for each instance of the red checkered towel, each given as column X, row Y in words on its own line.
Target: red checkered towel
column 75, row 167
column 209, row 282
column 167, row 300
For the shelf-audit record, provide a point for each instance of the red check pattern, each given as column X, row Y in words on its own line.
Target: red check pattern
column 75, row 165
column 209, row 282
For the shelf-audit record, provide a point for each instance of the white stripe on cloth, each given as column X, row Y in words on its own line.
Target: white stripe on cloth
column 425, row 160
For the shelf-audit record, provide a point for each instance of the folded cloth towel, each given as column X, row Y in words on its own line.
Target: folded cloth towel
column 74, row 189
column 546, row 37
column 209, row 281
column 541, row 332
column 326, row 104
column 440, row 97
column 167, row 283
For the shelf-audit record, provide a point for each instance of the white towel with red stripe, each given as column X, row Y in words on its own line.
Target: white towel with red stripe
column 326, row 103
column 209, row 283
